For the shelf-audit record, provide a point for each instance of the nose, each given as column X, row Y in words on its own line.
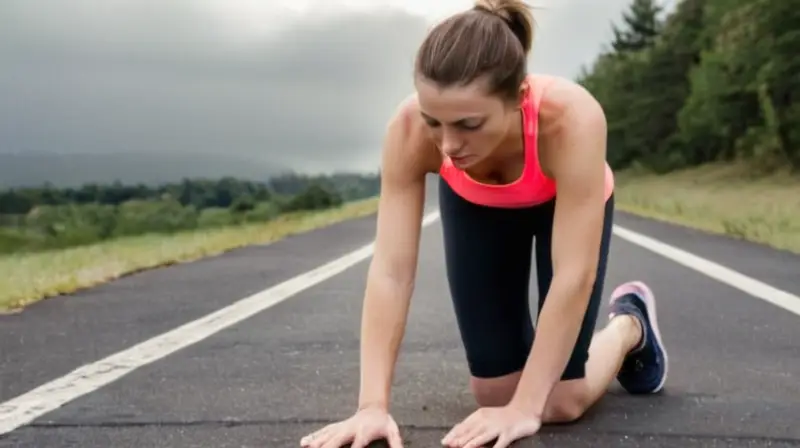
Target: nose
column 451, row 144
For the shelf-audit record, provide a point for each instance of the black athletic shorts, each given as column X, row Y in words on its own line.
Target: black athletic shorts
column 488, row 252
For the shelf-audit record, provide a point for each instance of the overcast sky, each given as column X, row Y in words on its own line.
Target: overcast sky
column 304, row 83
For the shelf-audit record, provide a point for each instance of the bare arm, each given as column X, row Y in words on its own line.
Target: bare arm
column 390, row 281
column 579, row 170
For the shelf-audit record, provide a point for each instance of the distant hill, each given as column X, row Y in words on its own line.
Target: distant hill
column 67, row 170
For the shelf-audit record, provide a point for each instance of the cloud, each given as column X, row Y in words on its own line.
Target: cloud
column 314, row 95
column 312, row 91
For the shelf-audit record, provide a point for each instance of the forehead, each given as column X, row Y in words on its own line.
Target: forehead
column 455, row 103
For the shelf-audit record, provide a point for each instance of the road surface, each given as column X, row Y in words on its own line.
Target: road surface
column 268, row 369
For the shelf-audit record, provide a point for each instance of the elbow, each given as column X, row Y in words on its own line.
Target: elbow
column 390, row 282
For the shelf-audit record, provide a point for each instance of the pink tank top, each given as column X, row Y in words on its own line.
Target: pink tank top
column 532, row 187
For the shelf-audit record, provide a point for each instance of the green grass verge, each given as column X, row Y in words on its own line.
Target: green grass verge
column 30, row 277
column 726, row 199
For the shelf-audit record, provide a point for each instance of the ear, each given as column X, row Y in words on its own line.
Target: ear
column 522, row 92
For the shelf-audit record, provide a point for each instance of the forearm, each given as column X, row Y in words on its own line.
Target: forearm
column 556, row 332
column 382, row 327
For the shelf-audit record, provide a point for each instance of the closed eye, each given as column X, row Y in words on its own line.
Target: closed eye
column 469, row 126
column 431, row 122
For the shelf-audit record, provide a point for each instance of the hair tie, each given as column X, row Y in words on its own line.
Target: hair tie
column 501, row 13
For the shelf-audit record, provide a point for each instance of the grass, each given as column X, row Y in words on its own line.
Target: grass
column 727, row 199
column 28, row 278
column 724, row 199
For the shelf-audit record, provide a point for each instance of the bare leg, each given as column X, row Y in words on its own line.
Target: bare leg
column 570, row 399
column 619, row 342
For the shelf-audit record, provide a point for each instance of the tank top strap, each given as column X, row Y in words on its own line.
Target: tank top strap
column 531, row 100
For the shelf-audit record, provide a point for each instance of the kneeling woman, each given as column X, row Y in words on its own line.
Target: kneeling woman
column 522, row 166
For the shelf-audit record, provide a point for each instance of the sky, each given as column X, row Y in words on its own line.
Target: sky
column 308, row 84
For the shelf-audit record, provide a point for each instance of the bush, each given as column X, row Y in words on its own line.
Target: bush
column 315, row 197
column 138, row 217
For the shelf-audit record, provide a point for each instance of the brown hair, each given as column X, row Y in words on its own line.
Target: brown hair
column 492, row 40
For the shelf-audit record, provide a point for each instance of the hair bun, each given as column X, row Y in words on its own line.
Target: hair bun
column 515, row 13
column 498, row 8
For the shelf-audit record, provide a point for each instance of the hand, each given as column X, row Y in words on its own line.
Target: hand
column 506, row 424
column 365, row 426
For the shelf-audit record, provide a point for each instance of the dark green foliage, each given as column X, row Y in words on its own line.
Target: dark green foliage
column 716, row 80
column 314, row 197
column 48, row 218
column 642, row 27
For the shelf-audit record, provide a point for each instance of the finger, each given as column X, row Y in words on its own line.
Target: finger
column 457, row 431
column 322, row 436
column 503, row 441
column 474, row 419
column 308, row 439
column 480, row 439
column 363, row 438
column 314, row 441
column 338, row 439
column 319, row 439
column 478, row 433
column 474, row 430
column 451, row 436
column 360, row 441
column 394, row 439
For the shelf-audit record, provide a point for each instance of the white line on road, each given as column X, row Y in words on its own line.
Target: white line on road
column 722, row 274
column 27, row 407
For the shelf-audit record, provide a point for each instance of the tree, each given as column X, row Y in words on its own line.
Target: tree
column 643, row 26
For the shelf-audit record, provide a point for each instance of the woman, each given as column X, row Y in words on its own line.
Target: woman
column 520, row 158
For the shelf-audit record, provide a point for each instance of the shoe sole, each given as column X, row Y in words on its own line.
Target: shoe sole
column 642, row 290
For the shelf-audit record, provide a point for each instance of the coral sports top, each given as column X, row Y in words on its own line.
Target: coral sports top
column 532, row 187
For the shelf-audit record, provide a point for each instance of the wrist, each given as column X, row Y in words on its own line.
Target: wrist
column 381, row 405
column 528, row 404
column 373, row 395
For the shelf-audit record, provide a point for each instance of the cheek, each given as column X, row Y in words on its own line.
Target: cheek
column 486, row 139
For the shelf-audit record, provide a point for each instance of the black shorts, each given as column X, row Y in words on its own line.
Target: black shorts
column 488, row 253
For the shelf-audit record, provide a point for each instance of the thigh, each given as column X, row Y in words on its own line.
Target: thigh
column 488, row 257
column 576, row 367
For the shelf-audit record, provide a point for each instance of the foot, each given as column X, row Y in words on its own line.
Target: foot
column 644, row 370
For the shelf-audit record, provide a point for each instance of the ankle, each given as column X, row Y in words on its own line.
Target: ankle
column 631, row 329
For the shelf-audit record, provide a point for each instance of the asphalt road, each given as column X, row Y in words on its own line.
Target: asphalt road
column 267, row 380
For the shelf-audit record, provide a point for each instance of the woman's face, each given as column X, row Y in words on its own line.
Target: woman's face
column 466, row 124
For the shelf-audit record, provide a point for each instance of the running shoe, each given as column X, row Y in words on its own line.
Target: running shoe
column 644, row 370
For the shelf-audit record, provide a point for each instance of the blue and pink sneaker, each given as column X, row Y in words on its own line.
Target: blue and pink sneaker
column 644, row 370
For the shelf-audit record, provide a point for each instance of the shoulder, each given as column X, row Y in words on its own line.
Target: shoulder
column 407, row 140
column 567, row 107
column 572, row 131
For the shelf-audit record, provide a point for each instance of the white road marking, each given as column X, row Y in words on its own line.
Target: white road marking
column 29, row 406
column 722, row 274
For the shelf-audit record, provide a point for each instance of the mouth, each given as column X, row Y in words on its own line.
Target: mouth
column 462, row 161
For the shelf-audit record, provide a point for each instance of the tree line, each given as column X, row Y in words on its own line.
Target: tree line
column 47, row 217
column 200, row 193
column 714, row 80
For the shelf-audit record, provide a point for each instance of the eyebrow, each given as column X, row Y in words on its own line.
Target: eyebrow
column 459, row 121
